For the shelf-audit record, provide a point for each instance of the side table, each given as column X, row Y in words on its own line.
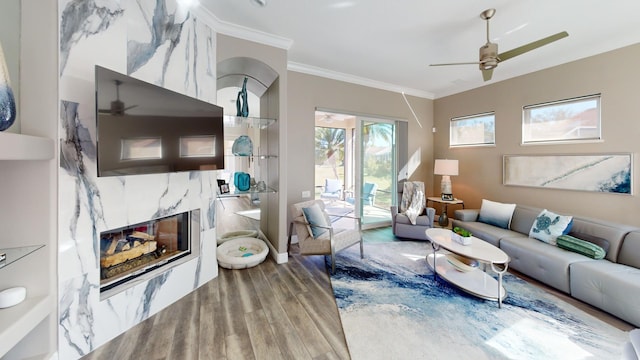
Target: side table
column 444, row 220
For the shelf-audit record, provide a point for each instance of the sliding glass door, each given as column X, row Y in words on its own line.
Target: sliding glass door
column 359, row 154
column 376, row 171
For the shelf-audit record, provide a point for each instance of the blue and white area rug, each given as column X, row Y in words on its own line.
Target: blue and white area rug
column 392, row 308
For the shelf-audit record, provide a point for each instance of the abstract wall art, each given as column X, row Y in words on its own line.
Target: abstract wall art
column 607, row 173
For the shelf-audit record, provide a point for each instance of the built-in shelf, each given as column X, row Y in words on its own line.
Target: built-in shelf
column 19, row 320
column 235, row 193
column 25, row 147
column 255, row 157
column 12, row 255
column 249, row 122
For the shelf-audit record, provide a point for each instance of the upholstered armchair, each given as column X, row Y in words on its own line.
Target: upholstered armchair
column 332, row 190
column 368, row 194
column 317, row 236
column 413, row 204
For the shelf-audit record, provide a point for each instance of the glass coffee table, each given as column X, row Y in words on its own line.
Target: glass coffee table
column 475, row 281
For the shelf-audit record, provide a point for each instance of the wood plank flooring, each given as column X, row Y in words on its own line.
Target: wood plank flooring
column 267, row 312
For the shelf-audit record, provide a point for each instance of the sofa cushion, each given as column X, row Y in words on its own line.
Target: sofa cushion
column 603, row 243
column 609, row 286
column 495, row 213
column 579, row 246
column 523, row 218
column 422, row 220
column 549, row 225
column 486, row 232
column 546, row 263
column 612, row 232
column 630, row 250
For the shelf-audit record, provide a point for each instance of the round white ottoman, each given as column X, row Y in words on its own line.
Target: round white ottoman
column 241, row 253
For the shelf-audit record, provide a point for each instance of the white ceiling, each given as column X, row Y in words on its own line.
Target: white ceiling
column 389, row 44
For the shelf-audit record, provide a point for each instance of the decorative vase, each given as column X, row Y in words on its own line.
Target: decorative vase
column 242, row 105
column 242, row 146
column 7, row 101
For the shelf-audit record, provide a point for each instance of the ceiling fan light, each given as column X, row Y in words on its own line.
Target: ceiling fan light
column 488, row 65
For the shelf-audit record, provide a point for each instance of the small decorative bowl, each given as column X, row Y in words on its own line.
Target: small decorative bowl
column 461, row 263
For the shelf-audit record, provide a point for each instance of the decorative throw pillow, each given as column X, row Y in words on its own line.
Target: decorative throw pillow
column 548, row 226
column 579, row 246
column 603, row 243
column 315, row 217
column 495, row 213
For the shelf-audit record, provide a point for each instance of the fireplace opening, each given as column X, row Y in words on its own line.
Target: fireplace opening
column 130, row 252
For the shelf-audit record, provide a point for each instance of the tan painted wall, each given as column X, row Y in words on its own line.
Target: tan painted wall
column 613, row 74
column 308, row 92
column 274, row 106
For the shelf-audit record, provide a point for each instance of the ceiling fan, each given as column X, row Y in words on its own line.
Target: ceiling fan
column 117, row 107
column 489, row 56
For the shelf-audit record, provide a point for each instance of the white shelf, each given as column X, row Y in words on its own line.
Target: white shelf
column 235, row 193
column 17, row 321
column 25, row 147
column 250, row 122
column 475, row 282
column 254, row 156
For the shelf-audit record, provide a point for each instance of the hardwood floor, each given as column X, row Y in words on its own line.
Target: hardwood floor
column 267, row 312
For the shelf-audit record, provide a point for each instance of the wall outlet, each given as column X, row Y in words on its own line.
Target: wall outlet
column 306, row 194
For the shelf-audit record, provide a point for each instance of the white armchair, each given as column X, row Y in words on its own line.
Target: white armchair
column 332, row 190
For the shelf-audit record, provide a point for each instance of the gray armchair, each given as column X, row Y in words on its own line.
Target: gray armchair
column 401, row 224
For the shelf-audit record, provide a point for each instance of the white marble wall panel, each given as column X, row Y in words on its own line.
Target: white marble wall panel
column 167, row 36
column 100, row 32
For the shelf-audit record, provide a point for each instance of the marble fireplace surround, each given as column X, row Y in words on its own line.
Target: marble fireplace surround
column 161, row 42
column 162, row 250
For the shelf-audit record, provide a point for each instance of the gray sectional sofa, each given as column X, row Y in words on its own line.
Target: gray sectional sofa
column 611, row 284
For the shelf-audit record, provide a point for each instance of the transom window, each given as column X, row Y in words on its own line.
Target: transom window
column 570, row 120
column 473, row 130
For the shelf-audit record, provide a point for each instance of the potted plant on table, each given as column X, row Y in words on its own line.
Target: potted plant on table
column 461, row 236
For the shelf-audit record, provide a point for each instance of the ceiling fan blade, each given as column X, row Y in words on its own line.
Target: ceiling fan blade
column 486, row 74
column 462, row 63
column 130, row 107
column 531, row 46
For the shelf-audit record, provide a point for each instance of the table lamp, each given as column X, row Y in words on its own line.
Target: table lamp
column 446, row 168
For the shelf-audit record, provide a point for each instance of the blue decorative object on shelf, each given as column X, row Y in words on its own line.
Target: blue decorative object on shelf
column 242, row 146
column 7, row 101
column 242, row 180
column 242, row 105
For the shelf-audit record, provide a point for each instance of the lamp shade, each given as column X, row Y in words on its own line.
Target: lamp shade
column 446, row 167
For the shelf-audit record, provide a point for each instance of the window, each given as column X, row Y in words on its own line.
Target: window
column 141, row 148
column 473, row 130
column 562, row 121
column 197, row 146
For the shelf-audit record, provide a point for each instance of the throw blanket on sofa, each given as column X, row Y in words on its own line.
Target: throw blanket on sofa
column 413, row 200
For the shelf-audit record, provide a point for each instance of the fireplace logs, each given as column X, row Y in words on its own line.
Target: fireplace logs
column 129, row 252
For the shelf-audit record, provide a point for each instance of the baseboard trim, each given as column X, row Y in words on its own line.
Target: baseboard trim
column 280, row 258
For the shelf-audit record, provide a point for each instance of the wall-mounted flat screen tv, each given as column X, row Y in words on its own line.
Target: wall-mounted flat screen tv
column 144, row 128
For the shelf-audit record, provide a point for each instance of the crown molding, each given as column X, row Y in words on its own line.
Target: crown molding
column 243, row 32
column 317, row 71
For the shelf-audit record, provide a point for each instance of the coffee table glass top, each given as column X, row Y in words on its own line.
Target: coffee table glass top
column 479, row 250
